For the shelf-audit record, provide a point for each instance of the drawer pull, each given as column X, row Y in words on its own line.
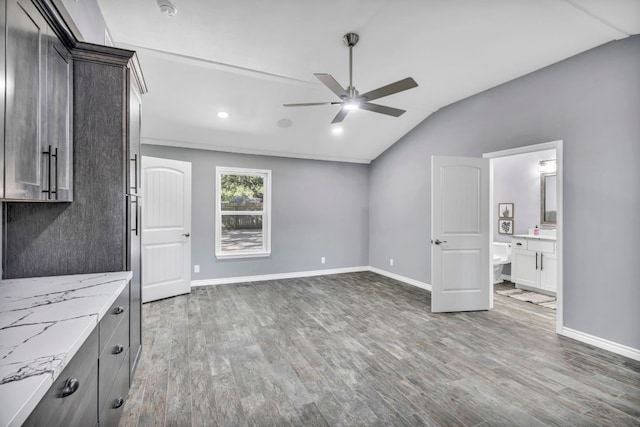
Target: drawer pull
column 118, row 349
column 118, row 403
column 118, row 310
column 70, row 387
column 518, row 244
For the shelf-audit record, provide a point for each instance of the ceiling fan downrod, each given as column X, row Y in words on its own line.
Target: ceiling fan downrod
column 351, row 39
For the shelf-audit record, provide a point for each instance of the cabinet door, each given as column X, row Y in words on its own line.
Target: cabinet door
column 135, row 206
column 62, row 408
column 524, row 270
column 25, row 76
column 3, row 31
column 58, row 113
column 548, row 272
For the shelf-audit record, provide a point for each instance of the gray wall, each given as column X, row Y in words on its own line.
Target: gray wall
column 592, row 102
column 516, row 180
column 318, row 209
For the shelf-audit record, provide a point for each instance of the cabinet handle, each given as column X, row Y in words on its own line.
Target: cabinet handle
column 70, row 387
column 541, row 255
column 536, row 260
column 118, row 349
column 118, row 310
column 135, row 171
column 118, row 402
column 134, row 200
column 518, row 244
column 55, row 176
column 48, row 190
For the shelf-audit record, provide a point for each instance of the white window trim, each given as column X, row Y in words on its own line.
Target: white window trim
column 266, row 213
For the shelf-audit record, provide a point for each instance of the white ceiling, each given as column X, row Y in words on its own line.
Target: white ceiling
column 248, row 57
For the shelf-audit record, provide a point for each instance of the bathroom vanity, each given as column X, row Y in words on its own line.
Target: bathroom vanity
column 534, row 262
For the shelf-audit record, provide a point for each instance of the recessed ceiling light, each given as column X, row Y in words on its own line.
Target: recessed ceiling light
column 223, row 114
column 337, row 130
column 284, row 123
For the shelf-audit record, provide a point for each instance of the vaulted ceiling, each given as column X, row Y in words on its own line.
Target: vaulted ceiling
column 248, row 57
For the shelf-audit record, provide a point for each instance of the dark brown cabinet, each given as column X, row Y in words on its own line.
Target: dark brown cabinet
column 72, row 400
column 113, row 365
column 94, row 385
column 99, row 140
column 135, row 229
column 38, row 154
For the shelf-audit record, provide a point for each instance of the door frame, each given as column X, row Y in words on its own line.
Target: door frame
column 557, row 145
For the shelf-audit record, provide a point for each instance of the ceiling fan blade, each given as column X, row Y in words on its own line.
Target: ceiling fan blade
column 390, row 89
column 332, row 84
column 340, row 116
column 307, row 104
column 383, row 109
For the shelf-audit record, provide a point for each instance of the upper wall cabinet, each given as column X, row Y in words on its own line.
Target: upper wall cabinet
column 38, row 154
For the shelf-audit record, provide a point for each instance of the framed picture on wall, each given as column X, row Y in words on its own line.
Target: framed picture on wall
column 505, row 226
column 505, row 210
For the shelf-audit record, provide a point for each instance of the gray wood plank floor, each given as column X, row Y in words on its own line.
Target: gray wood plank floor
column 362, row 349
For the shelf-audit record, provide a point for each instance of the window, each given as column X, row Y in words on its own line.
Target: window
column 243, row 212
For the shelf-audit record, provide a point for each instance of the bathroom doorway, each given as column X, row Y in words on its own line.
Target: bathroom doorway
column 526, row 214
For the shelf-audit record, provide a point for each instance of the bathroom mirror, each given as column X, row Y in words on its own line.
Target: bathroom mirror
column 548, row 199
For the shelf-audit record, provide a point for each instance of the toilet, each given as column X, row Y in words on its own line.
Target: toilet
column 501, row 256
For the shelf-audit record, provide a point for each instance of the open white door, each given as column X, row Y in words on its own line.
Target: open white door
column 460, row 252
column 166, row 228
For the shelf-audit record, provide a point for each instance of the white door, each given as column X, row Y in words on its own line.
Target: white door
column 166, row 228
column 460, row 254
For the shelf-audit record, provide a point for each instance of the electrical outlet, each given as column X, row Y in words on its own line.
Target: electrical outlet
column 196, row 268
column 391, row 262
column 323, row 260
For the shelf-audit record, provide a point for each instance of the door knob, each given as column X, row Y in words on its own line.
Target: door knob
column 187, row 234
column 438, row 241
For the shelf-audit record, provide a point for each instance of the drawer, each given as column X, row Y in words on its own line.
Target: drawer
column 112, row 410
column 518, row 243
column 117, row 311
column 111, row 359
column 79, row 408
column 542, row 246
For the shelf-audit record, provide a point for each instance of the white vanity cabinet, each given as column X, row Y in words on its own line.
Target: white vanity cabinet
column 533, row 263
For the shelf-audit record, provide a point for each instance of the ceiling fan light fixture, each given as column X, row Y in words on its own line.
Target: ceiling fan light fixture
column 351, row 105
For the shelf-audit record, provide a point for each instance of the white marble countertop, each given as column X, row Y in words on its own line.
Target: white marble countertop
column 43, row 323
column 533, row 236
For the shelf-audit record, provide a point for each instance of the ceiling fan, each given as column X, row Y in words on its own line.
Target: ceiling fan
column 350, row 98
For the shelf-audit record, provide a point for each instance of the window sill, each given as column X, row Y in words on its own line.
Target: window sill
column 237, row 255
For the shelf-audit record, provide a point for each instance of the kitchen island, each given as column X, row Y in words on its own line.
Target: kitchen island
column 43, row 323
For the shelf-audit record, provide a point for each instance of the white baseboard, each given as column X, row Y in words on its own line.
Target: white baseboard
column 276, row 276
column 623, row 350
column 400, row 278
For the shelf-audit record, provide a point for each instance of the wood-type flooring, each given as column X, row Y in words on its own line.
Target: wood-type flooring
column 362, row 349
